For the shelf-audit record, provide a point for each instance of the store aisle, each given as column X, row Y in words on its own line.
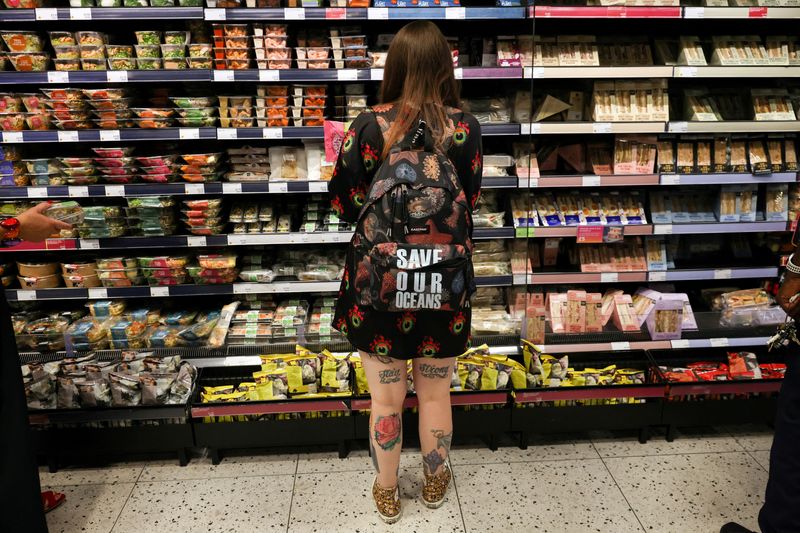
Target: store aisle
column 598, row 482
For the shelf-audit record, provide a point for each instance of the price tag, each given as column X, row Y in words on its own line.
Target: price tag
column 719, row 342
column 525, row 128
column 662, row 229
column 279, row 186
column 455, row 13
column 189, row 133
column 26, row 296
column 694, row 13
column 620, row 346
column 115, row 190
column 109, row 135
column 590, row 181
column 722, row 273
column 378, row 13
column 670, row 179
column 57, row 77
column 272, row 133
column 685, row 72
column 78, row 192
column 758, row 12
column 589, row 234
column 680, row 343
column 376, row 74
column 98, row 294
column 242, row 360
column 89, row 244
column 658, row 275
column 12, row 136
column 238, row 240
column 294, row 13
column 37, row 192
column 532, row 183
column 67, row 136
column 223, row 75
column 231, row 188
column 80, row 13
column 117, row 76
column 215, row 14
column 347, row 74
column 678, row 127
column 458, row 73
column 195, row 241
column 335, row 13
column 537, row 73
column 601, row 127
column 317, row 186
column 159, row 291
column 269, row 75
column 536, row 129
column 246, row 288
column 194, row 188
column 46, row 13
column 609, row 277
column 226, row 133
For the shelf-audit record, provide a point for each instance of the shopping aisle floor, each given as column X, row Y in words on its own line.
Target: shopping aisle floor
column 600, row 482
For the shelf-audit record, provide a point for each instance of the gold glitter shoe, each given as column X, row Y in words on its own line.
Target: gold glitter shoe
column 387, row 502
column 435, row 488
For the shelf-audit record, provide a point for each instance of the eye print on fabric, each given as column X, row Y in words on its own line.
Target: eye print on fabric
column 457, row 324
column 461, row 133
column 357, row 196
column 406, row 321
column 429, row 347
column 349, row 140
column 341, row 325
column 369, row 156
column 356, row 316
column 381, row 345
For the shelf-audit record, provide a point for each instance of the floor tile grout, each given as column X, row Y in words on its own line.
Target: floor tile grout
column 127, row 499
column 750, row 453
column 458, row 500
column 291, row 498
column 622, row 492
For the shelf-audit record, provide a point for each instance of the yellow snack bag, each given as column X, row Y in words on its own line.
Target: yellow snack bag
column 362, row 387
column 489, row 378
column 223, row 389
column 463, row 373
column 294, row 375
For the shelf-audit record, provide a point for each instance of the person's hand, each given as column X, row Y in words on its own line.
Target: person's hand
column 788, row 293
column 34, row 226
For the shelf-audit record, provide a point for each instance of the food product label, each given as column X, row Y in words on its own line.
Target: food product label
column 215, row 14
column 12, row 137
column 98, row 294
column 189, row 133
column 24, row 296
column 57, row 77
column 378, row 13
column 80, row 13
column 117, row 76
column 269, row 75
column 109, row 135
column 37, row 192
column 67, row 136
column 294, row 13
column 46, row 13
column 78, row 192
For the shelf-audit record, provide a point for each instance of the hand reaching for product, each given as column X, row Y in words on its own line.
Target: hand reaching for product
column 34, row 226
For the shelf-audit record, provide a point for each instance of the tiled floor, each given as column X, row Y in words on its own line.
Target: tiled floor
column 601, row 482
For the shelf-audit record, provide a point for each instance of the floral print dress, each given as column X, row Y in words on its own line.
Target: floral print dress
column 399, row 335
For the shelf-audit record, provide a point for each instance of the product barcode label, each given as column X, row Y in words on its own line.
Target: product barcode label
column 37, row 192
column 609, row 277
column 719, row 342
column 159, row 291
column 378, row 13
column 67, row 136
column 109, row 135
column 115, row 190
column 279, row 186
column 194, row 188
column 231, row 188
column 376, row 74
column 223, row 75
column 215, row 14
column 347, row 74
column 657, row 276
column 189, row 133
column 455, row 13
column 272, row 133
column 590, row 181
column 680, row 343
column 685, row 72
column 80, row 13
column 12, row 136
column 78, row 192
column 98, row 294
column 601, row 127
column 57, row 77
column 317, row 186
column 46, row 13
column 694, row 12
column 226, row 133
column 294, row 13
column 620, row 346
column 25, row 296
column 458, row 73
column 89, row 244
column 196, row 241
column 269, row 75
column 722, row 273
column 678, row 127
column 117, row 76
column 670, row 179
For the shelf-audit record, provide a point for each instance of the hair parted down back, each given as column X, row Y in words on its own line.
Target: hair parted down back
column 418, row 79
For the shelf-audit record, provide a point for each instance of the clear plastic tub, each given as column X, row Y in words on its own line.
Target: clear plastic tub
column 67, row 52
column 118, row 273
column 94, row 64
column 90, row 38
column 39, row 282
column 62, row 38
column 67, row 65
column 22, row 41
column 37, row 121
column 29, row 61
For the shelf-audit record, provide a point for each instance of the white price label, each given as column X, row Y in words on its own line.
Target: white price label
column 246, row 288
column 78, row 192
column 620, row 346
column 694, row 12
column 89, row 244
column 685, row 72
column 537, row 73
column 117, row 76
column 294, row 13
column 658, row 275
column 722, row 273
column 67, row 136
column 269, row 75
column 272, row 133
column 609, row 277
column 590, row 181
column 532, row 183
column 536, row 129
column 525, row 128
column 98, row 294
column 680, row 343
column 223, row 75
column 80, row 13
column 719, row 342
column 26, row 296
column 37, row 192
column 231, row 188
column 317, row 186
column 678, row 127
column 194, row 188
column 378, row 13
column 347, row 74
column 57, row 77
column 46, row 13
column 601, row 127
column 115, row 190
column 458, row 73
column 195, row 241
column 662, row 229
column 189, row 133
column 238, row 240
column 376, row 74
column 279, row 186
column 226, row 133
column 159, row 291
column 12, row 136
column 242, row 360
column 670, row 179
column 215, row 14
column 109, row 135
column 455, row 13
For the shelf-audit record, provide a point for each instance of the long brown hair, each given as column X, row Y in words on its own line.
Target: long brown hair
column 418, row 79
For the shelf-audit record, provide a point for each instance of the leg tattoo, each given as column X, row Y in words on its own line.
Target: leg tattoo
column 434, row 372
column 443, row 440
column 432, row 462
column 387, row 431
column 434, row 459
column 385, row 359
column 374, row 457
column 391, row 375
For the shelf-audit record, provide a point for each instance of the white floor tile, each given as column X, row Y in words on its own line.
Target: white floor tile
column 689, row 440
column 557, row 497
column 540, row 448
column 342, row 501
column 693, row 493
column 111, row 474
column 357, row 460
column 88, row 508
column 209, row 506
column 753, row 438
column 229, row 467
column 762, row 456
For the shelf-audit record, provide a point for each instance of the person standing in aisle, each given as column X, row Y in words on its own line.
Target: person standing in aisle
column 781, row 510
column 23, row 503
column 409, row 172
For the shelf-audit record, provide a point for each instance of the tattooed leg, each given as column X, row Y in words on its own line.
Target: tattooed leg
column 432, row 382
column 374, row 456
column 391, row 375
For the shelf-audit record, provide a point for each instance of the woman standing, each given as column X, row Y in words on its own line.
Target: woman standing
column 409, row 172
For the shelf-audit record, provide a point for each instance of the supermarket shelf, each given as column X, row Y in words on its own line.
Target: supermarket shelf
column 105, row 13
column 741, row 12
column 539, row 128
column 104, row 76
column 604, row 12
column 349, row 74
column 372, row 13
column 559, row 73
column 572, row 231
column 293, row 132
column 762, row 71
column 500, row 129
column 128, row 134
column 715, row 273
column 717, row 342
column 653, row 345
column 717, row 227
column 561, row 278
column 725, row 179
column 734, row 126
column 589, row 181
